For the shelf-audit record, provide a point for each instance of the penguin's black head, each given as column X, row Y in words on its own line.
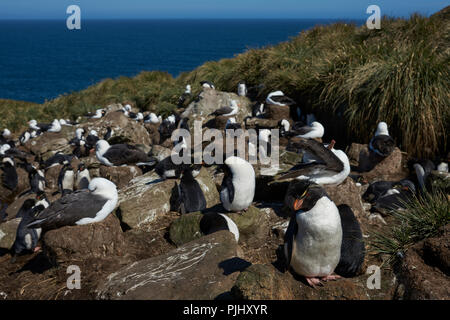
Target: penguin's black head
column 359, row 179
column 41, row 196
column 28, row 204
column 306, row 195
column 81, row 167
column 405, row 185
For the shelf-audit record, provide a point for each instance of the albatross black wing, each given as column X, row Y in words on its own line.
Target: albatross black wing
column 68, row 210
column 283, row 100
column 222, row 111
column 121, row 154
column 44, row 126
column 300, row 131
column 328, row 160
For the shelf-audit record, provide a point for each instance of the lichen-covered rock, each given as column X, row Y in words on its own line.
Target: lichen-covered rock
column 153, row 132
column 123, row 127
column 200, row 270
column 207, row 184
column 253, row 123
column 186, row 228
column 347, row 193
column 425, row 269
column 160, row 152
column 8, row 232
column 96, row 240
column 144, row 199
column 210, row 101
column 51, row 177
column 277, row 113
column 49, row 143
column 14, row 207
column 264, row 282
column 121, row 176
column 253, row 226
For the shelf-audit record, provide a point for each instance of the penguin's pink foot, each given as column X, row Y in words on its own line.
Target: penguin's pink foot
column 313, row 282
column 331, row 278
column 37, row 249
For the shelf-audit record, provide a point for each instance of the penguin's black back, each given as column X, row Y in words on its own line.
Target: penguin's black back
column 10, row 179
column 376, row 190
column 34, row 181
column 167, row 165
column 394, row 201
column 212, row 222
column 352, row 249
column 3, row 213
column 25, row 208
column 191, row 194
column 22, row 231
column 291, row 233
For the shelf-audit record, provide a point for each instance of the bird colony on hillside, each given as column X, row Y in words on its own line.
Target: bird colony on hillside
column 322, row 242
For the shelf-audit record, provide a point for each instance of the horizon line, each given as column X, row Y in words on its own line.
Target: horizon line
column 96, row 19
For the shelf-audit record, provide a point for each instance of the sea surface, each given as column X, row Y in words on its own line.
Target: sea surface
column 40, row 60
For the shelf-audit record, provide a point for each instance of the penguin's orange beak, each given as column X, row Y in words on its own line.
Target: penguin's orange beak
column 298, row 204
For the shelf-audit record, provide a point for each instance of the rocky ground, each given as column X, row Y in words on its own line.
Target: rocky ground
column 146, row 250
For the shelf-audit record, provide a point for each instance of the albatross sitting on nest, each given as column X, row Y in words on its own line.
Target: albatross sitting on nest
column 79, row 208
column 121, row 154
column 329, row 166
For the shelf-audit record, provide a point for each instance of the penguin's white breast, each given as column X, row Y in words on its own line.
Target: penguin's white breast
column 317, row 246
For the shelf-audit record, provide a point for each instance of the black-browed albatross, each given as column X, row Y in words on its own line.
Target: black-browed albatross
column 79, row 208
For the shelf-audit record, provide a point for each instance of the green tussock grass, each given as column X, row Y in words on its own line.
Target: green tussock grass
column 423, row 218
column 350, row 77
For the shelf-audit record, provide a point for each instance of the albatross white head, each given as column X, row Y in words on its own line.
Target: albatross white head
column 4, row 148
column 103, row 187
column 6, row 133
column 100, row 187
column 101, row 147
column 56, row 126
column 317, row 126
column 382, row 129
column 286, row 125
column 79, row 133
column 242, row 89
column 269, row 99
column 33, row 124
column 153, row 118
column 264, row 135
column 234, row 106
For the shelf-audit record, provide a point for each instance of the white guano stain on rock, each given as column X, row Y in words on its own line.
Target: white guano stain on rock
column 172, row 268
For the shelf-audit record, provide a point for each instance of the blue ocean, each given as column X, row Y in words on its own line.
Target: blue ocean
column 40, row 60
